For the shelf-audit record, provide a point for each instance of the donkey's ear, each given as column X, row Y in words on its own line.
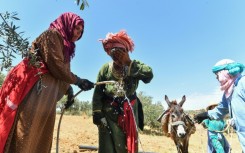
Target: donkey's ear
column 167, row 100
column 182, row 101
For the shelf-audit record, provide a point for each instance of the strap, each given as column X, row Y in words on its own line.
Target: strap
column 178, row 123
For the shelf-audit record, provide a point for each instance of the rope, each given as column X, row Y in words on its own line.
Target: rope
column 202, row 143
column 231, row 137
column 227, row 127
column 222, row 131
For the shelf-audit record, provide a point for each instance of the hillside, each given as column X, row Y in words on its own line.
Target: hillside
column 79, row 130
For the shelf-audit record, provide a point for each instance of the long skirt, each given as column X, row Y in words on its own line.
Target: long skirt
column 32, row 131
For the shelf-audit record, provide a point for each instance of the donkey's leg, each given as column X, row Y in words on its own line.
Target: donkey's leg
column 186, row 144
column 179, row 147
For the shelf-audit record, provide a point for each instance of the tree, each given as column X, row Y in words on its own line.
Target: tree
column 74, row 109
column 2, row 77
column 83, row 4
column 61, row 102
column 86, row 107
column 151, row 111
column 12, row 43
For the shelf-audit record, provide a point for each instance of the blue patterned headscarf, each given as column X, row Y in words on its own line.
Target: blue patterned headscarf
column 226, row 64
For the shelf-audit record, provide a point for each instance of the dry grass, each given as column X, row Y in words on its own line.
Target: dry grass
column 79, row 130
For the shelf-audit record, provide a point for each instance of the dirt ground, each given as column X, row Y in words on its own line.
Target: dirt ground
column 79, row 130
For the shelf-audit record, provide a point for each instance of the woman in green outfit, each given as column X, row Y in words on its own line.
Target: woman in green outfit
column 115, row 106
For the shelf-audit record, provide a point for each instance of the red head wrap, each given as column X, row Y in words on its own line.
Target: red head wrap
column 65, row 24
column 120, row 39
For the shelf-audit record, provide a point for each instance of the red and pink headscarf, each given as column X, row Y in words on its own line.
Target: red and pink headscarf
column 65, row 24
column 120, row 39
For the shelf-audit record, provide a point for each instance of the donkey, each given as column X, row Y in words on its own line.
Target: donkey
column 178, row 125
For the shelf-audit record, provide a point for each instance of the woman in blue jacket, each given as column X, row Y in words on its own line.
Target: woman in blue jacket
column 232, row 82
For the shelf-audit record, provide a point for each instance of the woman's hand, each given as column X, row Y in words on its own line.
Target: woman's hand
column 84, row 84
column 120, row 57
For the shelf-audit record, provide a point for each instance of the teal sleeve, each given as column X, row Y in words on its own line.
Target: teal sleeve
column 206, row 122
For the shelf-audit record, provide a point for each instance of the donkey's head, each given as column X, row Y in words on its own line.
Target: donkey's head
column 177, row 117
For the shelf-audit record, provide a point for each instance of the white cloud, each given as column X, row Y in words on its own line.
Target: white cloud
column 197, row 101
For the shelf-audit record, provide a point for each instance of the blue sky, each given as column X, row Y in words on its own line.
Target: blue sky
column 180, row 39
